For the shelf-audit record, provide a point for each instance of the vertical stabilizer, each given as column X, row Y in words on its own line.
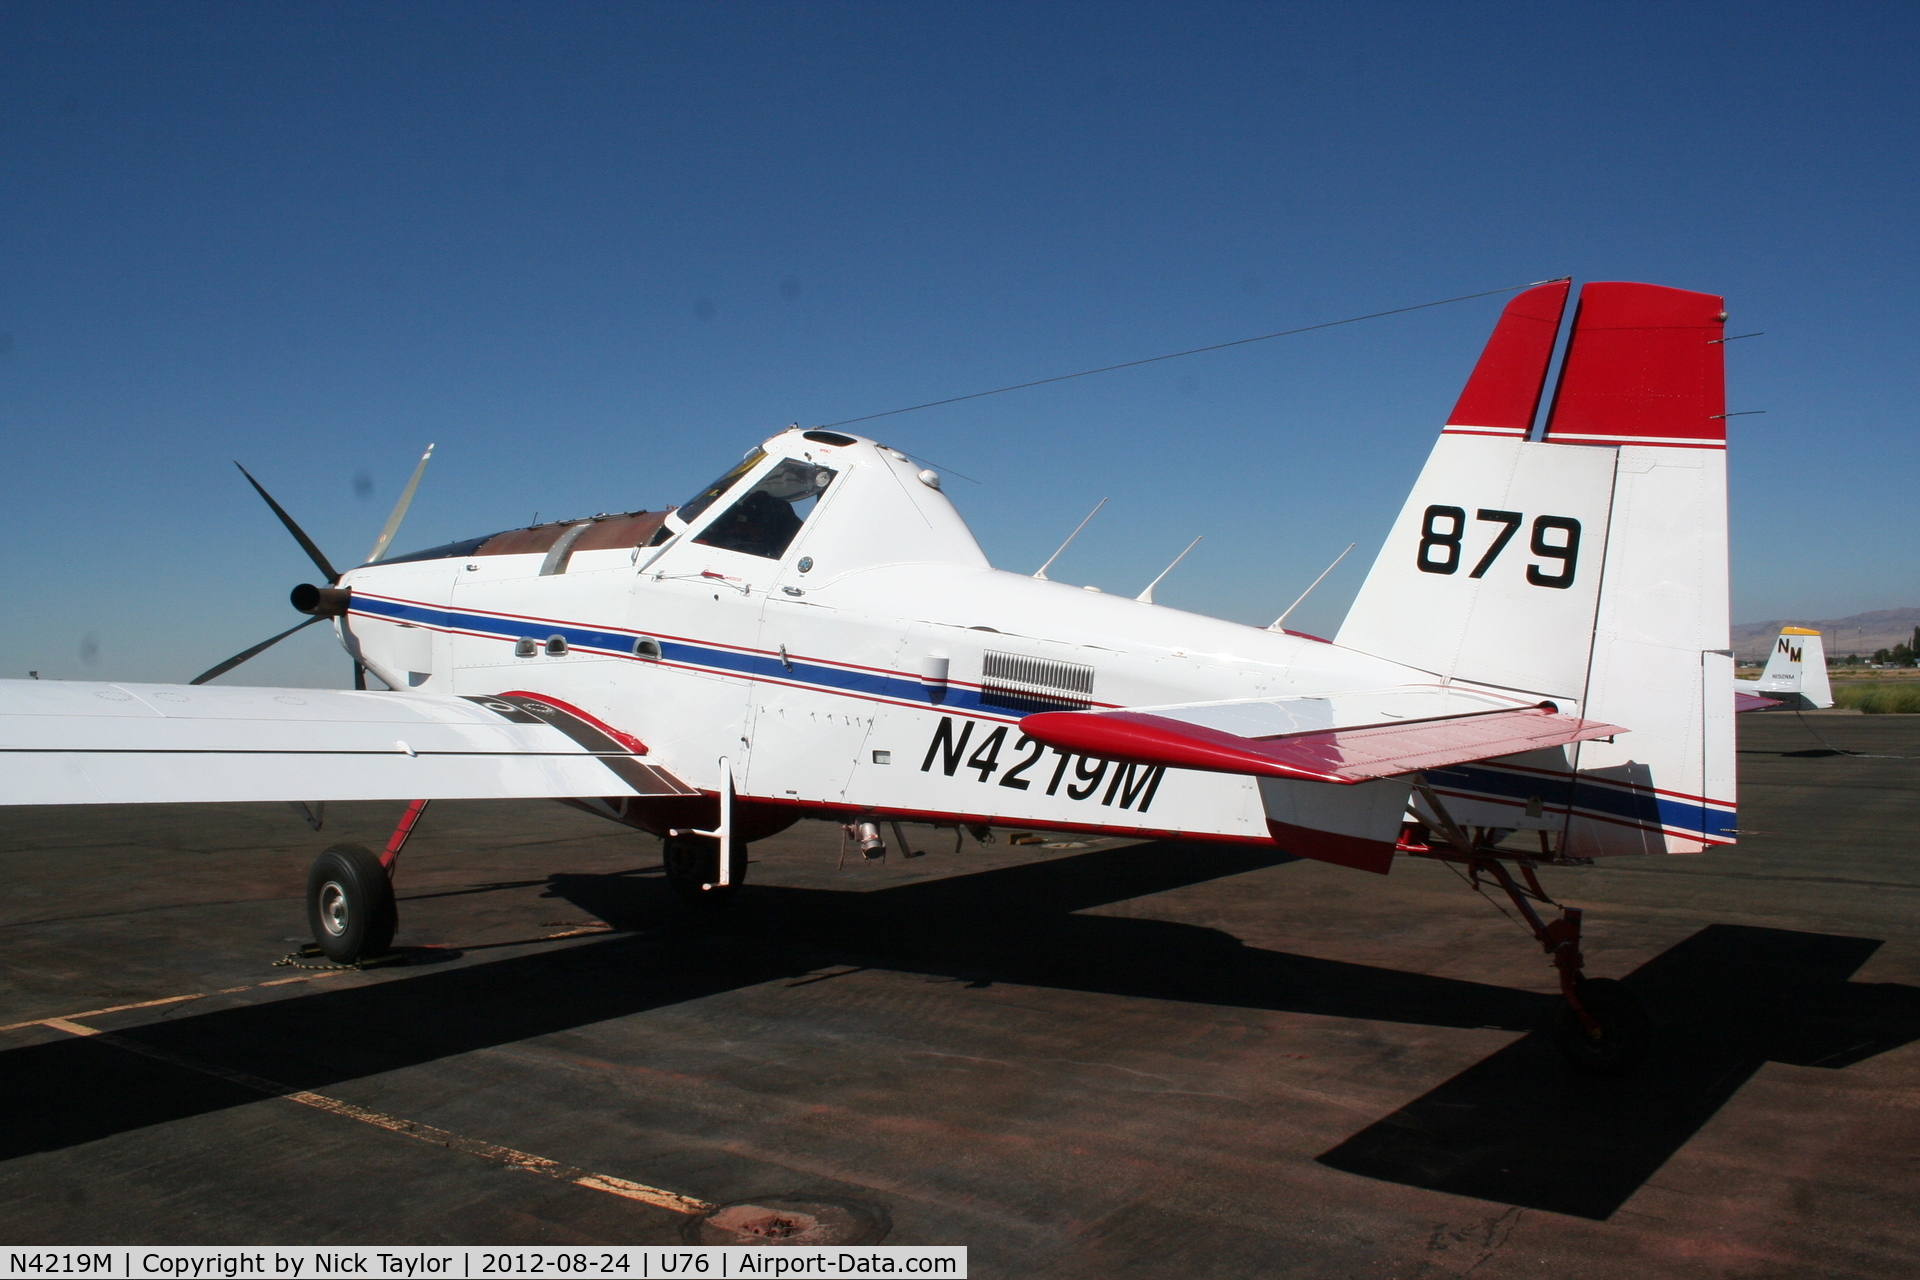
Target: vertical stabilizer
column 1589, row 569
column 1796, row 671
column 1490, row 572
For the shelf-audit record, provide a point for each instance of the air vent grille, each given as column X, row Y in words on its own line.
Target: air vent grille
column 1020, row 683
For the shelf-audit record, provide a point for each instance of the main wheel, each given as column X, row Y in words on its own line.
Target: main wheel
column 1625, row 1034
column 693, row 863
column 350, row 905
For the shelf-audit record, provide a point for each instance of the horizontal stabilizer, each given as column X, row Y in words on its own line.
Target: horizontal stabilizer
column 1752, row 702
column 1379, row 745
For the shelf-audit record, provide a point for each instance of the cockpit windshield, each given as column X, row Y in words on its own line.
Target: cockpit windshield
column 705, row 498
column 768, row 516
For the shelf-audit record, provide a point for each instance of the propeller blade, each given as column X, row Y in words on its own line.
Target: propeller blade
column 299, row 535
column 238, row 658
column 392, row 525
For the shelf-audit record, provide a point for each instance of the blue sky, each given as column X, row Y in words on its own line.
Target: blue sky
column 595, row 251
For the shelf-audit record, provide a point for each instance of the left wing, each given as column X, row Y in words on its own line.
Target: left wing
column 81, row 742
column 1346, row 738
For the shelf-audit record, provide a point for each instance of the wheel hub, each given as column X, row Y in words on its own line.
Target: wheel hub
column 333, row 908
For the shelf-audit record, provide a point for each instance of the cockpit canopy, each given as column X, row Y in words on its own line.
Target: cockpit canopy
column 883, row 509
column 841, row 501
column 764, row 520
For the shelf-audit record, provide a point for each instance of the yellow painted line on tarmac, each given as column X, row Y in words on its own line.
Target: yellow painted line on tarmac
column 144, row 1004
column 71, row 1028
column 149, row 1004
column 505, row 1157
column 281, row 982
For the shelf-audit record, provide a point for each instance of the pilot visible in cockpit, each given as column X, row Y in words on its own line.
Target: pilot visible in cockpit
column 767, row 518
column 757, row 525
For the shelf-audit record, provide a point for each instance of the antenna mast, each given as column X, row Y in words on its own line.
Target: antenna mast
column 1146, row 597
column 1041, row 572
column 1309, row 591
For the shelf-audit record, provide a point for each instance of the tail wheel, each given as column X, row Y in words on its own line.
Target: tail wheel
column 1624, row 1033
column 350, row 906
column 692, row 865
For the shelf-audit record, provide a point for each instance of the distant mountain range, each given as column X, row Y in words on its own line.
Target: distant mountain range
column 1862, row 633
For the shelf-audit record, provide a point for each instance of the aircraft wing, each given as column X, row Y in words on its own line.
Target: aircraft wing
column 1346, row 738
column 80, row 742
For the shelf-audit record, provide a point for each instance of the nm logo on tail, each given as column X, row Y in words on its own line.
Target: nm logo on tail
column 1795, row 676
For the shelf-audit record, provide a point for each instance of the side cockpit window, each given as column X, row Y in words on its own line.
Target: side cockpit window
column 768, row 516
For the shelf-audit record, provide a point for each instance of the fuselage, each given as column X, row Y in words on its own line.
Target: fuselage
column 851, row 653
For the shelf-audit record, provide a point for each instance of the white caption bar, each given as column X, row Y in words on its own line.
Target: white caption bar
column 634, row 1262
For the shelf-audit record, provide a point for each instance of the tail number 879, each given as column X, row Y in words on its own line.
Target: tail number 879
column 1555, row 538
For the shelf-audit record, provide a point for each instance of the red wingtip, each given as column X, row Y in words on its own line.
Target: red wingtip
column 1503, row 392
column 1643, row 366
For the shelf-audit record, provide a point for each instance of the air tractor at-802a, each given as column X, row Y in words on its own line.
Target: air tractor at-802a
column 1536, row 671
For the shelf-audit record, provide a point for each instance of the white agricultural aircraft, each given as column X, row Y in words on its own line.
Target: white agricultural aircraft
column 1535, row 672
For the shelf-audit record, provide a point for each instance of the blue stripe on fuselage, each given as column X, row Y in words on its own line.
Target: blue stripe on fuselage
column 753, row 666
column 1641, row 806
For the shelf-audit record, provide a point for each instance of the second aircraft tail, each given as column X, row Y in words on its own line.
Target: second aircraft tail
column 1796, row 671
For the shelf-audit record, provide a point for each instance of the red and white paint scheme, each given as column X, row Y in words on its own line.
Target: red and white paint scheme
column 1536, row 669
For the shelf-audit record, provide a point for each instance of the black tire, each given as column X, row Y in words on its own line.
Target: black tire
column 693, row 862
column 350, row 906
column 1626, row 1034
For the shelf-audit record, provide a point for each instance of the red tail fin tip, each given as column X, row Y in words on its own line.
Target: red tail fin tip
column 1503, row 392
column 1643, row 366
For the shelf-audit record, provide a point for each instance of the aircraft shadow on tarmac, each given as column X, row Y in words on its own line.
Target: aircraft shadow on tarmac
column 1726, row 1001
column 1517, row 1128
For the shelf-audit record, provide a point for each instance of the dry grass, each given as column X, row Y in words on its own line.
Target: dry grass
column 1879, row 699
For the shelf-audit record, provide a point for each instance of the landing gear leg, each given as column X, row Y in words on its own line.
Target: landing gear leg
column 703, row 867
column 1601, row 1027
column 692, row 862
column 350, row 906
